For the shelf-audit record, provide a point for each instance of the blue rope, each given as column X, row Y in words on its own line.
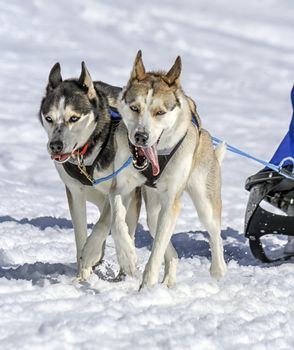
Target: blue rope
column 115, row 173
column 276, row 168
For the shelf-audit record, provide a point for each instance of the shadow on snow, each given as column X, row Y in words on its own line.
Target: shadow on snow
column 187, row 244
column 42, row 222
column 196, row 243
column 39, row 272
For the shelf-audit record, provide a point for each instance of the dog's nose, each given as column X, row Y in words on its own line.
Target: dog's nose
column 141, row 138
column 56, row 146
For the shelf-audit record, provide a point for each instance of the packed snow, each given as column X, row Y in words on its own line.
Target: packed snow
column 238, row 66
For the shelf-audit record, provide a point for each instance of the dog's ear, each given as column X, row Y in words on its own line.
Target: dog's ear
column 86, row 81
column 54, row 77
column 138, row 71
column 172, row 77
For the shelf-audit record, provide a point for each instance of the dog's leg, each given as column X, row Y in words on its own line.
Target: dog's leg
column 77, row 206
column 132, row 219
column 124, row 244
column 170, row 266
column 94, row 247
column 168, row 214
column 170, row 256
column 133, row 212
column 207, row 200
column 204, row 187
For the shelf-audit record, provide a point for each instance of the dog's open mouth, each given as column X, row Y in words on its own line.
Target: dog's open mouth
column 61, row 158
column 145, row 155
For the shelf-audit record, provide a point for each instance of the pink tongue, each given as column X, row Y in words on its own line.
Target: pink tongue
column 61, row 157
column 151, row 154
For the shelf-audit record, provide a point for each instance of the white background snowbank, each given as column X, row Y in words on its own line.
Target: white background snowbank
column 238, row 66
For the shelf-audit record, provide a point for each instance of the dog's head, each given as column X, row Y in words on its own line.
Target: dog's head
column 150, row 104
column 68, row 112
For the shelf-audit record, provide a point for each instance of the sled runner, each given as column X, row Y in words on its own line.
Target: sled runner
column 270, row 208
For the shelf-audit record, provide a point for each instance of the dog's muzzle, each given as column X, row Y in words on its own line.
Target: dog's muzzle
column 56, row 147
column 143, row 156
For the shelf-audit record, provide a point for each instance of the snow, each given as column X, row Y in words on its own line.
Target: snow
column 238, row 66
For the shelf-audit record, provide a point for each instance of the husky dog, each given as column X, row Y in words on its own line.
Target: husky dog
column 75, row 113
column 170, row 155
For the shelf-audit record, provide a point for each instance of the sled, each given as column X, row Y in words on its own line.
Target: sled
column 270, row 208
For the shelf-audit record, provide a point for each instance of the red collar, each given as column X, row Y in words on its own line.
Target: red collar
column 81, row 151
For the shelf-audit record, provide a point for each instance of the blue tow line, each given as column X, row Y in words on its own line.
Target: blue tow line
column 277, row 168
column 115, row 173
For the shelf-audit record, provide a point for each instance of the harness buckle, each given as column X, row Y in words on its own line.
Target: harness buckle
column 83, row 169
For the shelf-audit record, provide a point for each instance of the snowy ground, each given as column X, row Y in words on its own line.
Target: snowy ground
column 238, row 66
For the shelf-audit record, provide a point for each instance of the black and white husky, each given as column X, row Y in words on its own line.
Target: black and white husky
column 75, row 114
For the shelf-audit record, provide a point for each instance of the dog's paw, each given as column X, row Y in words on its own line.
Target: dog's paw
column 169, row 281
column 218, row 271
column 84, row 274
column 149, row 278
column 77, row 280
column 91, row 256
column 127, row 259
column 170, row 273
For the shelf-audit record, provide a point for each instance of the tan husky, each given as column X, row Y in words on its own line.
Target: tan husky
column 170, row 155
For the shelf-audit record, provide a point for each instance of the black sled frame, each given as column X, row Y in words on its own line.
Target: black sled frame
column 278, row 191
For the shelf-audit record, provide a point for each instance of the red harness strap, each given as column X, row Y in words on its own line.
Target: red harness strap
column 82, row 151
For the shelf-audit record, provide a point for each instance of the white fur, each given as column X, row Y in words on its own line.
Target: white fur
column 220, row 152
column 126, row 253
column 60, row 112
column 199, row 195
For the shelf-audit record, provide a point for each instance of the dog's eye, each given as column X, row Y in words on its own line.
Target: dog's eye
column 160, row 113
column 73, row 119
column 48, row 119
column 135, row 109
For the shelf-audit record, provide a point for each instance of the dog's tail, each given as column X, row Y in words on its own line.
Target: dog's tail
column 220, row 152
